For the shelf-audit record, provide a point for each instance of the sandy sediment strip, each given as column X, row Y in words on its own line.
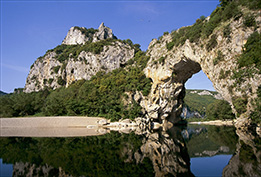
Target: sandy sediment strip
column 63, row 121
column 50, row 127
column 215, row 122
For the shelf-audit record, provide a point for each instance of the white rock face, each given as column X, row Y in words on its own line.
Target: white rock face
column 88, row 64
column 80, row 35
column 75, row 36
column 43, row 72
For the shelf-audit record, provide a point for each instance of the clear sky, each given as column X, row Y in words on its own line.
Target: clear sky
column 29, row 28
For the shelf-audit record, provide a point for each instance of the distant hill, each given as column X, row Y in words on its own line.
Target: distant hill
column 196, row 102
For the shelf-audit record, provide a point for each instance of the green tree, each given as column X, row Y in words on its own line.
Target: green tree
column 220, row 109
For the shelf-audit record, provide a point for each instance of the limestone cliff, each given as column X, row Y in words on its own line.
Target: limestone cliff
column 172, row 63
column 82, row 54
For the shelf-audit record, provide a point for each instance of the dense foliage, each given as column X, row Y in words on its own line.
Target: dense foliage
column 196, row 102
column 207, row 106
column 100, row 96
column 252, row 52
column 220, row 109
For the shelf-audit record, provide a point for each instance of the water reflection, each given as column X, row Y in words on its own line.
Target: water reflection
column 207, row 141
column 246, row 160
column 154, row 153
column 167, row 151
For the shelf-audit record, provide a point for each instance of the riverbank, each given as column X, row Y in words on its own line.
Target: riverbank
column 54, row 121
column 215, row 122
column 64, row 126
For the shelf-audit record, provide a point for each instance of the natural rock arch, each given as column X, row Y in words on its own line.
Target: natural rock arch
column 170, row 69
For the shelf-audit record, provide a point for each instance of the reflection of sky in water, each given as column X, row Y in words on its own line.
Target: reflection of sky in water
column 209, row 166
column 6, row 170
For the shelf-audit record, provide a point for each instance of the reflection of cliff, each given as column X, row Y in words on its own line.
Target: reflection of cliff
column 167, row 152
column 30, row 170
column 247, row 159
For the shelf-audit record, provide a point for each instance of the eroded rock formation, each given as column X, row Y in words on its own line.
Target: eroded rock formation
column 50, row 71
column 169, row 69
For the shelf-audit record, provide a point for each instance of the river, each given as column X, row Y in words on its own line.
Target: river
column 196, row 150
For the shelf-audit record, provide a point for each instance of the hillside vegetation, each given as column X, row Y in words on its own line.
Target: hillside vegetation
column 101, row 96
column 207, row 105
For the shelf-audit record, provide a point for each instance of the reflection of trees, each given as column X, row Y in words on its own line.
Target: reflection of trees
column 88, row 156
column 113, row 154
column 210, row 140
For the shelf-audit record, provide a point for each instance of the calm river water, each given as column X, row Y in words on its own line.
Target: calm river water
column 190, row 151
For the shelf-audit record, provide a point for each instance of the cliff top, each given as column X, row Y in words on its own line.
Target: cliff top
column 80, row 35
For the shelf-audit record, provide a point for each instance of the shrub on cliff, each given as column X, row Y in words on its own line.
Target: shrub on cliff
column 251, row 52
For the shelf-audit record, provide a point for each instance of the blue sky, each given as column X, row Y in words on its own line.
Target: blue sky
column 30, row 28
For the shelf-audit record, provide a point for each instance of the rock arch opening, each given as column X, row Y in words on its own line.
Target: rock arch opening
column 199, row 81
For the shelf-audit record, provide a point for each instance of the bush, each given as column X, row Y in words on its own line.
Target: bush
column 220, row 109
column 240, row 104
column 223, row 74
column 256, row 113
column 228, row 9
column 194, row 33
column 212, row 43
column 162, row 60
column 87, row 32
column 249, row 20
column 170, row 45
column 231, row 11
column 61, row 81
column 220, row 57
column 50, row 81
column 251, row 52
column 227, row 31
column 178, row 37
column 165, row 33
column 56, row 69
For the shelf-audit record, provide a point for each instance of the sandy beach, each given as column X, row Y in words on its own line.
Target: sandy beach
column 215, row 122
column 65, row 126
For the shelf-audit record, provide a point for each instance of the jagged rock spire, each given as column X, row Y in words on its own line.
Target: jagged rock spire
column 77, row 35
column 103, row 33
